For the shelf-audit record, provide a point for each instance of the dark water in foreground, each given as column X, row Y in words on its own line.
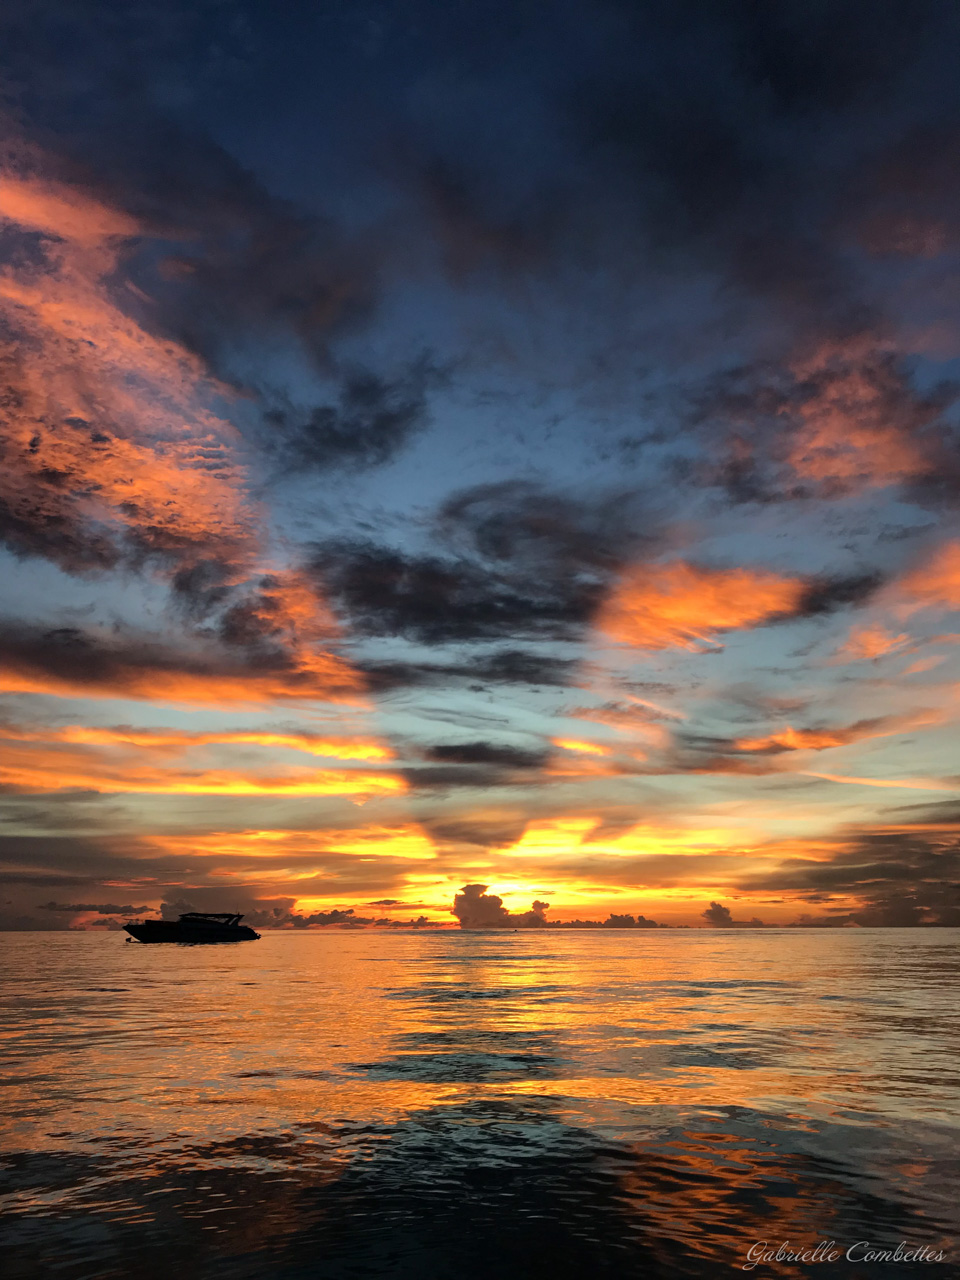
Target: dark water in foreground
column 467, row 1106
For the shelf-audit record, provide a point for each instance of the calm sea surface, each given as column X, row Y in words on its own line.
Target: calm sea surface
column 466, row 1105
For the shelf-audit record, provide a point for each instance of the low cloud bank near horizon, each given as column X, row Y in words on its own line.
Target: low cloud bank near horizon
column 473, row 908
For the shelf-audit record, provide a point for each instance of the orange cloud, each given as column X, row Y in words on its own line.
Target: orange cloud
column 109, row 425
column 632, row 718
column 924, row 664
column 563, row 837
column 57, row 768
column 65, row 212
column 855, row 425
column 112, row 450
column 872, row 642
column 173, row 739
column 935, row 585
column 406, row 841
column 911, row 784
column 679, row 605
column 580, row 760
column 587, row 748
column 790, row 739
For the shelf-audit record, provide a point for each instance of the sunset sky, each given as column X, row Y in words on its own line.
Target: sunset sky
column 472, row 443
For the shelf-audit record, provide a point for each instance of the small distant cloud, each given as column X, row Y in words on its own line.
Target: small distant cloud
column 720, row 917
column 477, row 909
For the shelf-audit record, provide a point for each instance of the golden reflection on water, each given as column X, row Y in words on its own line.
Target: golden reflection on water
column 682, row 1092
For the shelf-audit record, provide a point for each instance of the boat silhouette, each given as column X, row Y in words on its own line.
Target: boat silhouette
column 194, row 926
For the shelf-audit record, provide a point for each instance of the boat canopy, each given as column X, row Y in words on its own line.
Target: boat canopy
column 213, row 917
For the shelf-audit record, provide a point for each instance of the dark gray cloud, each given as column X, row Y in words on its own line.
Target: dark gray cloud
column 437, row 600
column 901, row 201
column 524, row 563
column 373, row 420
column 703, row 129
column 448, row 777
column 825, row 594
column 479, row 831
column 627, row 921
column 477, row 909
column 718, row 914
column 478, row 764
column 518, row 666
column 786, row 152
column 247, row 266
column 48, row 880
column 713, row 117
column 495, row 753
column 518, row 522
column 504, row 666
column 905, row 877
column 126, row 663
column 614, row 920
column 475, row 235
column 203, row 586
column 721, row 917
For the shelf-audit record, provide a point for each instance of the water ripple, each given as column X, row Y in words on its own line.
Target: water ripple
column 473, row 1106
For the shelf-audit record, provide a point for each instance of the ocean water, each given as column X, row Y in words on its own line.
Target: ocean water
column 474, row 1105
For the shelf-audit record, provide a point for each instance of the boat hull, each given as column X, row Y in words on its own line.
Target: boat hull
column 173, row 931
